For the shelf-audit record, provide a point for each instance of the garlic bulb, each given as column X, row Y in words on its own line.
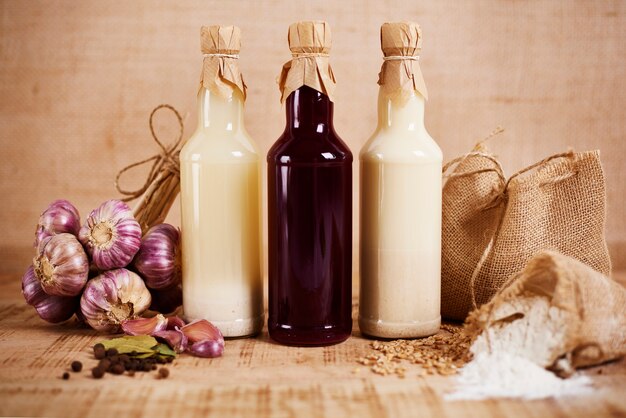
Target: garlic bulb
column 111, row 235
column 49, row 308
column 113, row 297
column 158, row 259
column 60, row 216
column 61, row 265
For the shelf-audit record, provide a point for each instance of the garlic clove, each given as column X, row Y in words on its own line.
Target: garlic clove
column 111, row 235
column 144, row 326
column 200, row 330
column 61, row 265
column 53, row 309
column 59, row 217
column 174, row 338
column 175, row 322
column 113, row 297
column 207, row 348
column 158, row 260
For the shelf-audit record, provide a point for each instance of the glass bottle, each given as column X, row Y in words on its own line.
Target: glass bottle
column 220, row 208
column 400, row 204
column 310, row 223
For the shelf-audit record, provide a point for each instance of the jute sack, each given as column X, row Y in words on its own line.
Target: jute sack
column 558, row 313
column 492, row 226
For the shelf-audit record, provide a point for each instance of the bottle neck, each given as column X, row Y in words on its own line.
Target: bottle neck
column 308, row 110
column 216, row 113
column 406, row 115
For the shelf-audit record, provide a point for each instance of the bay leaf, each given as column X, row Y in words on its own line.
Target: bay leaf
column 127, row 344
column 164, row 350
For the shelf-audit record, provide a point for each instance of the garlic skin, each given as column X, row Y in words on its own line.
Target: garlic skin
column 158, row 260
column 53, row 309
column 113, row 297
column 144, row 326
column 61, row 265
column 59, row 217
column 111, row 235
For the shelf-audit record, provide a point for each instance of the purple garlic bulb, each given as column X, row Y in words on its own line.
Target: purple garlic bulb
column 111, row 235
column 60, row 216
column 158, row 259
column 112, row 298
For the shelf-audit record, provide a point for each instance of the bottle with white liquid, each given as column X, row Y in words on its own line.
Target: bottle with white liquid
column 222, row 280
column 400, row 201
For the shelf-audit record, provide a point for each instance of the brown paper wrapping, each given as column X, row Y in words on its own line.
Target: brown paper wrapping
column 310, row 43
column 400, row 78
column 220, row 73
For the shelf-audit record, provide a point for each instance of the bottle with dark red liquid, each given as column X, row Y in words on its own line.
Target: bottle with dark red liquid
column 309, row 205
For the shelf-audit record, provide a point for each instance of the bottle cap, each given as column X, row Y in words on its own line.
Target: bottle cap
column 400, row 76
column 220, row 40
column 220, row 68
column 310, row 43
column 309, row 37
column 400, row 39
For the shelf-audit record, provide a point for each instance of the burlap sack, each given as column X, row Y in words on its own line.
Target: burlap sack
column 491, row 227
column 558, row 312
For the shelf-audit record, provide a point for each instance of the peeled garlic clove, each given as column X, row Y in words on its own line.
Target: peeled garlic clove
column 200, row 330
column 144, row 326
column 111, row 235
column 174, row 338
column 50, row 308
column 158, row 259
column 60, row 216
column 167, row 300
column 207, row 348
column 175, row 322
column 113, row 297
column 61, row 265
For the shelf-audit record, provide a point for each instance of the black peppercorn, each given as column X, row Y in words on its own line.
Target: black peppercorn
column 66, row 376
column 99, row 353
column 77, row 366
column 163, row 373
column 97, row 372
column 111, row 352
column 117, row 368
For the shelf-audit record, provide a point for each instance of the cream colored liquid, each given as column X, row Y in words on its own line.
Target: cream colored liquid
column 400, row 225
column 222, row 279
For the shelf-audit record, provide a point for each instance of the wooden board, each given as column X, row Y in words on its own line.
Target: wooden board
column 255, row 378
column 79, row 79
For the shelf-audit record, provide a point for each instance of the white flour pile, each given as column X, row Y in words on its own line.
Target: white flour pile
column 510, row 356
column 500, row 375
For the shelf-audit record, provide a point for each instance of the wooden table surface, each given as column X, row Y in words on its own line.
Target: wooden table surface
column 254, row 378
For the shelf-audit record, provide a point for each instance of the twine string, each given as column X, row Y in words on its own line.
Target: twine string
column 165, row 161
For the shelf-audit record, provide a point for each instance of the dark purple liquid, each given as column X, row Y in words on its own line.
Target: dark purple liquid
column 310, row 226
